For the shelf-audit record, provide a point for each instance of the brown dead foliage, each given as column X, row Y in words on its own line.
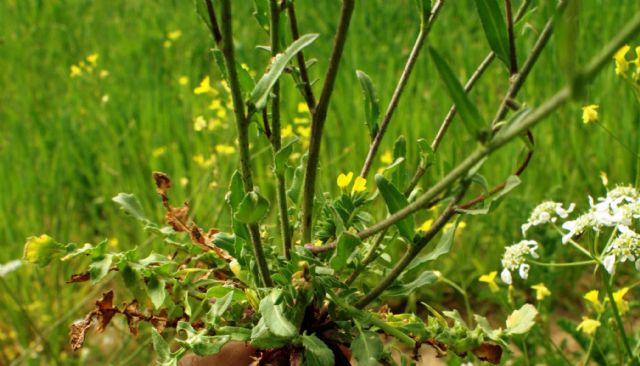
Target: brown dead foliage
column 178, row 219
column 104, row 311
column 79, row 277
column 488, row 352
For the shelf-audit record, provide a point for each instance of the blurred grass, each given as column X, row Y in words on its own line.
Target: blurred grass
column 64, row 152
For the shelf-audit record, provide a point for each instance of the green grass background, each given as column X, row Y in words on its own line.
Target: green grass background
column 64, row 153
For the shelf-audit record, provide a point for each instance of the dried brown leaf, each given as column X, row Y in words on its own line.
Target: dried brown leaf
column 159, row 321
column 488, row 352
column 79, row 330
column 104, row 311
column 79, row 277
column 163, row 182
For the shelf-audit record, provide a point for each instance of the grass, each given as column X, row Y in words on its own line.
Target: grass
column 64, row 151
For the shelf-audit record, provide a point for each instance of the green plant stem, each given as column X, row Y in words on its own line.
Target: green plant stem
column 568, row 264
column 276, row 138
column 465, row 298
column 513, row 56
column 616, row 314
column 370, row 257
column 242, row 125
column 374, row 320
column 307, row 92
column 505, row 135
column 521, row 77
column 319, row 118
column 402, row 83
column 411, row 254
column 484, row 65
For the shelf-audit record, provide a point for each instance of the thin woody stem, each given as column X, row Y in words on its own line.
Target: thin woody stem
column 513, row 56
column 276, row 138
column 319, row 118
column 402, row 83
column 242, row 124
column 307, row 92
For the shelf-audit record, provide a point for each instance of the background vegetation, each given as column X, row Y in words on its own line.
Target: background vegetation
column 68, row 144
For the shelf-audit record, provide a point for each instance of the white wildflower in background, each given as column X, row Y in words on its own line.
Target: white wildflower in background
column 514, row 259
column 545, row 213
column 9, row 267
column 579, row 225
column 626, row 247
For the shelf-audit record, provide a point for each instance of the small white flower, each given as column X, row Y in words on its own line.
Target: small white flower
column 546, row 212
column 625, row 247
column 579, row 225
column 608, row 263
column 514, row 259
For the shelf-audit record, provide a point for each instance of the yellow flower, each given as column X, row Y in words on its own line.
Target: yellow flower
column 541, row 291
column 200, row 160
column 286, row 132
column 425, row 225
column 304, row 132
column 387, row 157
column 593, row 297
column 213, row 124
column 184, row 181
column 344, row 180
column 589, row 113
column 158, row 151
column 199, row 123
column 103, row 73
column 359, row 185
column 622, row 65
column 490, row 279
column 174, row 35
column 303, row 108
column 204, row 87
column 317, row 242
column 222, row 113
column 93, row 58
column 183, row 80
column 225, row 149
column 300, row 121
column 588, row 326
column 604, row 178
column 166, row 44
column 623, row 305
column 235, row 267
column 75, row 71
column 215, row 104
column 113, row 243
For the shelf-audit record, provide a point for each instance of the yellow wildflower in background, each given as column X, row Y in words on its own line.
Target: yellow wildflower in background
column 225, row 149
column 623, row 305
column 202, row 162
column 300, row 121
column 604, row 179
column 286, row 132
column 93, row 58
column 425, row 225
column 204, row 87
column 304, row 132
column 103, row 73
column 184, row 181
column 215, row 104
column 622, row 65
column 174, row 35
column 387, row 157
column 303, row 108
column 590, row 113
column 113, row 243
column 221, row 113
column 359, row 185
column 588, row 326
column 158, row 151
column 541, row 291
column 344, row 180
column 490, row 279
column 593, row 297
column 235, row 267
column 183, row 80
column 75, row 71
column 199, row 123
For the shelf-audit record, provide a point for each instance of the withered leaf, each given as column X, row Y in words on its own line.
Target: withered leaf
column 163, row 182
column 488, row 352
column 79, row 277
column 439, row 347
column 178, row 218
column 79, row 330
column 133, row 316
column 104, row 311
column 159, row 321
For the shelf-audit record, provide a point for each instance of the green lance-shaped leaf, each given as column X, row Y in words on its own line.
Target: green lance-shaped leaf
column 252, row 208
column 471, row 118
column 162, row 349
column 367, row 348
column 345, row 246
column 261, row 13
column 396, row 201
column 130, row 204
column 444, row 245
column 258, row 97
column 521, row 320
column 495, row 28
column 316, row 352
column 371, row 103
column 404, row 289
column 274, row 316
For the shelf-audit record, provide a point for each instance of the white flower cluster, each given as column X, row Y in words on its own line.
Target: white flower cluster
column 514, row 259
column 626, row 247
column 618, row 208
column 545, row 213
